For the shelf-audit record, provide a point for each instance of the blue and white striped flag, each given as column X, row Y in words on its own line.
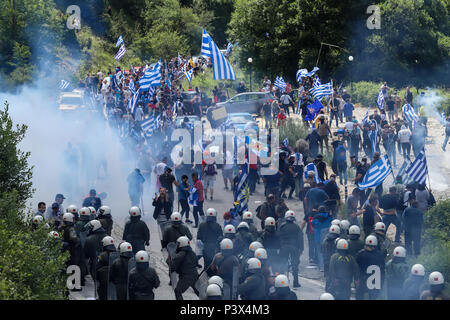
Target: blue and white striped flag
column 64, row 84
column 176, row 105
column 120, row 53
column 151, row 78
column 227, row 124
column 222, row 69
column 286, row 142
column 241, row 192
column 322, row 91
column 366, row 117
column 409, row 114
column 373, row 139
column 380, row 100
column 133, row 102
column 279, row 83
column 312, row 72
column 206, row 45
column 317, row 82
column 312, row 167
column 189, row 75
column 119, row 41
column 148, row 126
column 376, row 173
column 193, row 197
column 301, row 73
column 402, row 172
column 131, row 86
column 418, row 170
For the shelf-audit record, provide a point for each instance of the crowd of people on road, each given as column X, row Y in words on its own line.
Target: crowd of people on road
column 242, row 258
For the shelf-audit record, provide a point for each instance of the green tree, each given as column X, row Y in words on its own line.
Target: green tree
column 31, row 263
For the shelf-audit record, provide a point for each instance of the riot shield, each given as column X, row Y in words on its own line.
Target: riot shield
column 235, row 283
column 201, row 284
column 131, row 265
column 171, row 250
column 111, row 287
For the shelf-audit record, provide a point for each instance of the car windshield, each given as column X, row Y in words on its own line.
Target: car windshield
column 188, row 95
column 241, row 118
column 72, row 101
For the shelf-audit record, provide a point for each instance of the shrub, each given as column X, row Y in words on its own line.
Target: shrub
column 435, row 255
column 31, row 263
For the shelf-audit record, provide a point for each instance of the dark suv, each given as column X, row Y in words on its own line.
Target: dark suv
column 250, row 102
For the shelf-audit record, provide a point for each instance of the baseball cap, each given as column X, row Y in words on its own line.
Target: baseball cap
column 55, row 205
column 92, row 191
column 59, row 195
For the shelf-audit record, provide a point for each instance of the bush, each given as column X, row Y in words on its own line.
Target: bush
column 435, row 255
column 364, row 92
column 293, row 129
column 31, row 263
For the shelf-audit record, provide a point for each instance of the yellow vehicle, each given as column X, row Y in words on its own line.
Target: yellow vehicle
column 71, row 101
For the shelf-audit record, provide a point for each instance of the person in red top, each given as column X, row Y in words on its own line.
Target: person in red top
column 281, row 118
column 198, row 209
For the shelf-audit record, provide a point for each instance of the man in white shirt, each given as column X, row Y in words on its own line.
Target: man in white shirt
column 404, row 136
column 286, row 100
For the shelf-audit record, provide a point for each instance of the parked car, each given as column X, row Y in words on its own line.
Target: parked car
column 71, row 101
column 243, row 121
column 188, row 100
column 250, row 102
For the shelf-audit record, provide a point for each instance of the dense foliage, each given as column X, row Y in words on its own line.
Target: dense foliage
column 412, row 46
column 31, row 263
column 435, row 254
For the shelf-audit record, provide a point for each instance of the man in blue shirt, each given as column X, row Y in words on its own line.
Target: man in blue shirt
column 315, row 197
column 348, row 109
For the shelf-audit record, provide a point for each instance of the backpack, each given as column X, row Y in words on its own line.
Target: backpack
column 210, row 170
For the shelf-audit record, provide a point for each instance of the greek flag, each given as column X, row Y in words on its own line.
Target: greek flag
column 148, row 125
column 376, row 174
column 120, row 53
column 301, row 73
column 151, row 78
column 206, row 45
column 175, row 107
column 131, row 86
column 286, row 142
column 279, row 83
column 311, row 167
column 373, row 139
column 222, row 69
column 317, row 82
column 241, row 192
column 119, row 41
column 189, row 75
column 312, row 72
column 366, row 117
column 380, row 100
column 409, row 113
column 64, row 84
column 133, row 102
column 418, row 169
column 322, row 90
column 193, row 197
column 402, row 172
